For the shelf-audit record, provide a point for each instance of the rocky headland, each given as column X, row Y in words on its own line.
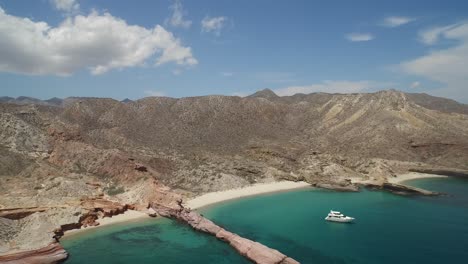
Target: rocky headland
column 65, row 163
column 252, row 250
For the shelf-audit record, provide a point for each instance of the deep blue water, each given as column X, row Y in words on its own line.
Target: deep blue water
column 388, row 229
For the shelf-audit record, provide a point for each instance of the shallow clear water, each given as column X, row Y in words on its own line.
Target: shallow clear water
column 148, row 241
column 388, row 229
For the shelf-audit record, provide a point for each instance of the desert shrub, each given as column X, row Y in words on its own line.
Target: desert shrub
column 114, row 190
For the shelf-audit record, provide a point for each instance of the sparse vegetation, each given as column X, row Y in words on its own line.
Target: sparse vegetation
column 114, row 190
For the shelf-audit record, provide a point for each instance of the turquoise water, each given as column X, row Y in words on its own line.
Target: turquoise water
column 388, row 229
column 149, row 241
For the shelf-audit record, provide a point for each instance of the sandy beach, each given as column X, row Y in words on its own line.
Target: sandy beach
column 216, row 197
column 200, row 201
column 129, row 215
column 399, row 179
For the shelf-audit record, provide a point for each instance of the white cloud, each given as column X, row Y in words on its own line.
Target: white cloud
column 177, row 19
column 448, row 66
column 415, row 85
column 95, row 42
column 154, row 93
column 432, row 35
column 177, row 72
column 213, row 24
column 333, row 87
column 396, row 21
column 69, row 6
column 356, row 37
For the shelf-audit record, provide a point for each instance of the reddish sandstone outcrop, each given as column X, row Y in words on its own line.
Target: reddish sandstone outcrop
column 53, row 253
column 252, row 250
column 105, row 207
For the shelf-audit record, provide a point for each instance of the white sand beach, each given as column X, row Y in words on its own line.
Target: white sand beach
column 200, row 201
column 260, row 188
column 129, row 215
column 399, row 179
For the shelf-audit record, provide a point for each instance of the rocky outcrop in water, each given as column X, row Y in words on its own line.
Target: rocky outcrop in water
column 340, row 187
column 443, row 171
column 400, row 189
column 252, row 250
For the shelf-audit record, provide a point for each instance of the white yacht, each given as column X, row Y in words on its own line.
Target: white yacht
column 336, row 216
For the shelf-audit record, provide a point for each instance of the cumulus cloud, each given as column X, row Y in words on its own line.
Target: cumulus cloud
column 177, row 19
column 213, row 24
column 358, row 37
column 98, row 42
column 448, row 66
column 69, row 6
column 333, row 87
column 396, row 21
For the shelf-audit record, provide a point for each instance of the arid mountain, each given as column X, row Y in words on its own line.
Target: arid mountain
column 59, row 153
column 195, row 142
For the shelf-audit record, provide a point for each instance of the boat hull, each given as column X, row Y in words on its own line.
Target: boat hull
column 340, row 220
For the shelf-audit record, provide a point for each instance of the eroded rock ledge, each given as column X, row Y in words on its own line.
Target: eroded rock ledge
column 252, row 250
column 30, row 235
column 53, row 253
column 400, row 189
column 443, row 171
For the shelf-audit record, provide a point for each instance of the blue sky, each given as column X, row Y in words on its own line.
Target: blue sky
column 133, row 49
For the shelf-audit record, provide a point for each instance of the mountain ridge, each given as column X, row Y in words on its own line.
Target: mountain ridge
column 423, row 99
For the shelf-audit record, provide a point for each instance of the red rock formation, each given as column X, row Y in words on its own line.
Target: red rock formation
column 106, row 207
column 252, row 250
column 53, row 253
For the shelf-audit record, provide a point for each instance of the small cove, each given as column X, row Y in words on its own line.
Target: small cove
column 389, row 229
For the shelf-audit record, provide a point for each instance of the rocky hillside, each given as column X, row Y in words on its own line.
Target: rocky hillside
column 55, row 153
column 215, row 142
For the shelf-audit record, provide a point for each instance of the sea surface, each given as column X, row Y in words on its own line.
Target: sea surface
column 388, row 229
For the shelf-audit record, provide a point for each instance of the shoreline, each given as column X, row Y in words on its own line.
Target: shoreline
column 402, row 178
column 127, row 216
column 195, row 203
column 212, row 198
